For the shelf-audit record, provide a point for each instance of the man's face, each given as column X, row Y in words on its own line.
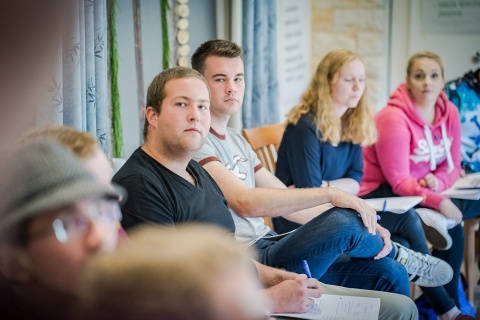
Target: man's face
column 86, row 227
column 184, row 119
column 225, row 78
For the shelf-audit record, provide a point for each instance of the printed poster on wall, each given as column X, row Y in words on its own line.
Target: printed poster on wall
column 451, row 16
column 293, row 40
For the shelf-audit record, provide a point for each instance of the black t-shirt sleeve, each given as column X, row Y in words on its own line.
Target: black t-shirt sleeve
column 156, row 195
column 147, row 203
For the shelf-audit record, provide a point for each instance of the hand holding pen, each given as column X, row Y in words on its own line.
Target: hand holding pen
column 306, row 268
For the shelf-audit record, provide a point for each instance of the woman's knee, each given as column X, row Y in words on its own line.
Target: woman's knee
column 412, row 219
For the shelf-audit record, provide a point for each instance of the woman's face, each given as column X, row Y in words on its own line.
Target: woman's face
column 425, row 81
column 348, row 86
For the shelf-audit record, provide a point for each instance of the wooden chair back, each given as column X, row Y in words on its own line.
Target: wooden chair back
column 265, row 142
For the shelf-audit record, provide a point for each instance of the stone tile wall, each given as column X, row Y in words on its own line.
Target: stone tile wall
column 358, row 25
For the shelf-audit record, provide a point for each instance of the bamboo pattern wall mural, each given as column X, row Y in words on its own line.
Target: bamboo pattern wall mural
column 115, row 96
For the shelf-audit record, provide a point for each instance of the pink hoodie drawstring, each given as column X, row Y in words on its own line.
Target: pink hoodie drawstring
column 431, row 149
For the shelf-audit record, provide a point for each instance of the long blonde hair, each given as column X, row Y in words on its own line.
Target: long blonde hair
column 356, row 125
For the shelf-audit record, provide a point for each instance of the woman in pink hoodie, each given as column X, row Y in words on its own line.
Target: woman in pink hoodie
column 418, row 154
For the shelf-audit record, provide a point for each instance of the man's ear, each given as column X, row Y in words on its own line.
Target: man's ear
column 15, row 264
column 151, row 116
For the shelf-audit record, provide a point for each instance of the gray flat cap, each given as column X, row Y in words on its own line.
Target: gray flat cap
column 41, row 176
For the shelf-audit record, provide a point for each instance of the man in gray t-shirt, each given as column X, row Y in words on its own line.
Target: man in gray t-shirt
column 242, row 161
column 252, row 192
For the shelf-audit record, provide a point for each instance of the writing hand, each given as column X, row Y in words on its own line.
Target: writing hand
column 292, row 296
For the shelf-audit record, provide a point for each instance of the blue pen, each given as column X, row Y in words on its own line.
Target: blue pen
column 378, row 217
column 306, row 268
column 384, row 205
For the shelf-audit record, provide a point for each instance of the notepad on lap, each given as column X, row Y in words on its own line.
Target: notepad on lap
column 394, row 204
column 467, row 187
column 338, row 307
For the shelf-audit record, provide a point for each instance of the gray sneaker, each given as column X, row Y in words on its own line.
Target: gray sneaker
column 423, row 270
column 435, row 226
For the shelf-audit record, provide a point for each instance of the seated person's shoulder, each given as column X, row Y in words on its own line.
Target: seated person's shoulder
column 307, row 119
column 138, row 166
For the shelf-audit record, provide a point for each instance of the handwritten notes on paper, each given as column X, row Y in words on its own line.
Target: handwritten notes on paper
column 339, row 307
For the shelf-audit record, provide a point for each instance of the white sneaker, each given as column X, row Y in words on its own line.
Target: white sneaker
column 423, row 270
column 436, row 227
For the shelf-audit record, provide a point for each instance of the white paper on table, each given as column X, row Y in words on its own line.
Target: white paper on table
column 339, row 307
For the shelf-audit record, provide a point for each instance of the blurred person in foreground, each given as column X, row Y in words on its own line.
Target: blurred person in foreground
column 82, row 144
column 54, row 217
column 189, row 272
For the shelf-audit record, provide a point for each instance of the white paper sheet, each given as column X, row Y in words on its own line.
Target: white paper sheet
column 338, row 307
column 471, row 181
column 394, row 204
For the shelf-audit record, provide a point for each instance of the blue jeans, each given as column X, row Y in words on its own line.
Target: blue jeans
column 470, row 208
column 380, row 275
column 407, row 229
column 322, row 240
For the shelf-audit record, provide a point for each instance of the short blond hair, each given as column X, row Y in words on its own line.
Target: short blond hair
column 80, row 143
column 161, row 271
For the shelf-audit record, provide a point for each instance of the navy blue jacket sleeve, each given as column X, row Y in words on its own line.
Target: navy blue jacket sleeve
column 304, row 160
column 299, row 156
column 355, row 171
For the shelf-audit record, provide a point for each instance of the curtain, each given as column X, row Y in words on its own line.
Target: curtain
column 77, row 95
column 261, row 103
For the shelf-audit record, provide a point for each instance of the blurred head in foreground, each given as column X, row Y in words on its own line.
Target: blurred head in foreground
column 188, row 272
column 82, row 144
column 54, row 216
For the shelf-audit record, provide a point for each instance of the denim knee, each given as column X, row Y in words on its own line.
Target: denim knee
column 396, row 274
column 385, row 275
column 413, row 221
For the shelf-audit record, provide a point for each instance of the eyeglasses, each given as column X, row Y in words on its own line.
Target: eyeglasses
column 72, row 222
